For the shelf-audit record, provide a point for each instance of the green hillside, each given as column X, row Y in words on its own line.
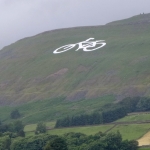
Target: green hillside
column 52, row 109
column 30, row 71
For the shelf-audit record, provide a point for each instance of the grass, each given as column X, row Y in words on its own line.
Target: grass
column 132, row 131
column 137, row 117
column 32, row 127
column 52, row 109
column 146, row 148
column 88, row 130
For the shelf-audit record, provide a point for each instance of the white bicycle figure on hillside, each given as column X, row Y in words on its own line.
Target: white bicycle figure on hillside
column 86, row 45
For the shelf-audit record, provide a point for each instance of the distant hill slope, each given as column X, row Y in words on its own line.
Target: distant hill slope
column 30, row 71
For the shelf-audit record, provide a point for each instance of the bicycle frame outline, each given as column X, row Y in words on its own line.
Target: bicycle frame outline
column 82, row 45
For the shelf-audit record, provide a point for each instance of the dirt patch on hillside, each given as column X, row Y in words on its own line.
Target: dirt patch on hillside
column 82, row 68
column 50, row 78
column 5, row 100
column 131, row 91
column 58, row 73
column 145, row 140
column 77, row 95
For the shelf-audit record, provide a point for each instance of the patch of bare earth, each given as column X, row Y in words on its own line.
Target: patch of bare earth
column 145, row 140
column 82, row 68
column 50, row 78
column 78, row 95
column 58, row 73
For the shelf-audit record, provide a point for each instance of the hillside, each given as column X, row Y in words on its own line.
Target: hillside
column 30, row 71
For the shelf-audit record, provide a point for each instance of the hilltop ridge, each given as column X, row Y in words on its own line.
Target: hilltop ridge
column 138, row 19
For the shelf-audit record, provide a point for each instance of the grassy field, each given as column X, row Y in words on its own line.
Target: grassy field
column 137, row 117
column 88, row 130
column 130, row 132
column 32, row 127
column 147, row 148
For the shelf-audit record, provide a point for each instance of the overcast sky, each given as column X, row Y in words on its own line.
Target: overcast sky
column 22, row 18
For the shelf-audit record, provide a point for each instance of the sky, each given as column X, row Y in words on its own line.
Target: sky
column 24, row 18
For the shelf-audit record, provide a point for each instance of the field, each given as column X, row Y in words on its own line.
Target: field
column 88, row 130
column 136, row 117
column 146, row 148
column 130, row 131
column 32, row 127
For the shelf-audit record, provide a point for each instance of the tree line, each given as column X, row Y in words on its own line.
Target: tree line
column 13, row 129
column 71, row 141
column 92, row 119
column 109, row 113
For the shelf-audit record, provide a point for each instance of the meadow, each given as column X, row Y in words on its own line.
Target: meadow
column 136, row 117
column 146, row 148
column 128, row 131
column 132, row 131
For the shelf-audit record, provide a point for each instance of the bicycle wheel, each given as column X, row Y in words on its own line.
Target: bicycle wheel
column 63, row 48
column 101, row 43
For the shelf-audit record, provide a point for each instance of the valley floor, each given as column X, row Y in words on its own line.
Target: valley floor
column 130, row 131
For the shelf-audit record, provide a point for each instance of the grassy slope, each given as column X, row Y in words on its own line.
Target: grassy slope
column 52, row 109
column 30, row 71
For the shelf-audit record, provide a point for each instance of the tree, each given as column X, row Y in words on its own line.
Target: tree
column 18, row 126
column 114, row 141
column 56, row 144
column 15, row 114
column 41, row 128
column 143, row 104
column 5, row 143
column 21, row 133
column 129, row 145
